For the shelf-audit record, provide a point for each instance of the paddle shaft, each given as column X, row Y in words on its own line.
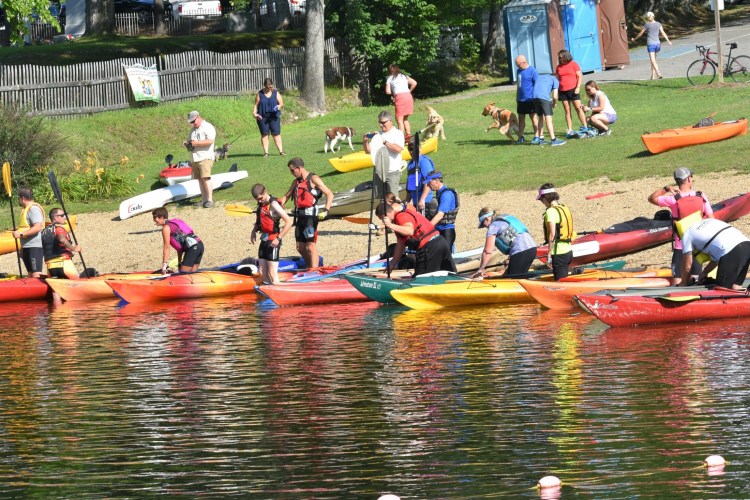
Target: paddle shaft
column 56, row 190
column 7, row 177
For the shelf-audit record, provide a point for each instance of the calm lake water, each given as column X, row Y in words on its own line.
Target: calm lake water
column 237, row 397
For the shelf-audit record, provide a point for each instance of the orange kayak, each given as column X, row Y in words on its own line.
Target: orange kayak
column 92, row 288
column 559, row 295
column 674, row 138
column 182, row 286
column 13, row 290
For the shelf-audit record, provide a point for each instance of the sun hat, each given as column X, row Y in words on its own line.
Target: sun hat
column 682, row 173
column 542, row 192
column 432, row 176
column 483, row 217
column 192, row 116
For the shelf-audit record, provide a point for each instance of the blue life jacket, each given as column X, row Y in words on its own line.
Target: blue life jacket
column 504, row 240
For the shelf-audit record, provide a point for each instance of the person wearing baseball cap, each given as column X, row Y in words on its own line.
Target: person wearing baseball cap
column 443, row 209
column 200, row 143
column 682, row 200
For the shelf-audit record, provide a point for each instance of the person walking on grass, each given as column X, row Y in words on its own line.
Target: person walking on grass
column 545, row 99
column 400, row 87
column 652, row 29
column 201, row 147
column 526, row 77
column 267, row 111
column 268, row 215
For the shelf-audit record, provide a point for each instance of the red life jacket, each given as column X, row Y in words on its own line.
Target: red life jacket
column 423, row 228
column 305, row 194
column 684, row 206
column 267, row 221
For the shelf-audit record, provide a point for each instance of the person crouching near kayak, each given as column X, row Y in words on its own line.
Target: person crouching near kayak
column 721, row 245
column 58, row 247
column 268, row 215
column 177, row 234
column 508, row 234
column 415, row 232
column 558, row 230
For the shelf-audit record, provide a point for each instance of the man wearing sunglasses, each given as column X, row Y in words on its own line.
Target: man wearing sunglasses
column 392, row 139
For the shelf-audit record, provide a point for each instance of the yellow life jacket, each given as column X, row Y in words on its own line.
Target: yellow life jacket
column 564, row 232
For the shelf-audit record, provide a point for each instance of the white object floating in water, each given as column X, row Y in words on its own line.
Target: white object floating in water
column 548, row 482
column 389, row 497
column 715, row 462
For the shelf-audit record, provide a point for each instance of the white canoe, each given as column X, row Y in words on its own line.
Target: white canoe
column 159, row 197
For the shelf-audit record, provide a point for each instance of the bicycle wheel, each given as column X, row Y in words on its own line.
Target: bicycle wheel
column 701, row 72
column 739, row 69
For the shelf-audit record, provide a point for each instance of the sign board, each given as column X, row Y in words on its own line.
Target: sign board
column 144, row 82
column 713, row 5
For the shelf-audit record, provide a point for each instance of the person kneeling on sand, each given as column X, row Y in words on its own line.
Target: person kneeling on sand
column 177, row 234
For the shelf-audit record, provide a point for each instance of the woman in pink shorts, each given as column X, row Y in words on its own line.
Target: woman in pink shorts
column 399, row 87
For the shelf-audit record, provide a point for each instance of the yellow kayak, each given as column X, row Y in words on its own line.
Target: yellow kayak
column 462, row 294
column 8, row 243
column 360, row 159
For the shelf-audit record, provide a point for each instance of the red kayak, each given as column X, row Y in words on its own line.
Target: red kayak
column 640, row 234
column 182, row 286
column 176, row 173
column 672, row 307
column 23, row 289
column 314, row 292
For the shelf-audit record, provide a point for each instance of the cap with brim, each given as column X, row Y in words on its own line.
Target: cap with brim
column 542, row 192
column 431, row 177
column 484, row 217
column 192, row 116
column 682, row 173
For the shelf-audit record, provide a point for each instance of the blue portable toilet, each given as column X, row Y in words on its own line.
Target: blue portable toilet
column 581, row 30
column 533, row 28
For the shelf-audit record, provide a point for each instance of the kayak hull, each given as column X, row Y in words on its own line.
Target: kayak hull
column 175, row 175
column 317, row 292
column 354, row 201
column 673, row 307
column 182, row 286
column 462, row 294
column 675, row 138
column 379, row 289
column 559, row 295
column 22, row 289
column 92, row 288
column 361, row 160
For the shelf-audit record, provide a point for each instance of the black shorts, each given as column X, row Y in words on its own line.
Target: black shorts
column 733, row 266
column 569, row 95
column 560, row 265
column 525, row 107
column 542, row 107
column 434, row 256
column 306, row 229
column 33, row 259
column 268, row 252
column 270, row 124
column 192, row 255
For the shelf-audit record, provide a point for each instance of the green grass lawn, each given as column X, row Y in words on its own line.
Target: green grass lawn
column 472, row 161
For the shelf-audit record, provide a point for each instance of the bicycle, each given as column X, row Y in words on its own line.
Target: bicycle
column 703, row 71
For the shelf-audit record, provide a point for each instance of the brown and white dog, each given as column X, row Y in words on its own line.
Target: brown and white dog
column 504, row 120
column 435, row 125
column 334, row 135
column 223, row 152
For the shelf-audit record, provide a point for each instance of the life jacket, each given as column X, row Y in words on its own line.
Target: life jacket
column 686, row 206
column 504, row 240
column 423, row 228
column 181, row 236
column 564, row 229
column 305, row 194
column 267, row 221
column 432, row 208
column 414, row 173
column 51, row 246
column 24, row 217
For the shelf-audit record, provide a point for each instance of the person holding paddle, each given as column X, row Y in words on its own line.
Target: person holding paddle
column 268, row 215
column 32, row 214
column 58, row 247
column 392, row 139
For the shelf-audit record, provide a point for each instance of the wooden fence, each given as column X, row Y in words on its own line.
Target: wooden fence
column 102, row 86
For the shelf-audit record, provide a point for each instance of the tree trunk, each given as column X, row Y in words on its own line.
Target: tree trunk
column 487, row 54
column 313, row 89
column 161, row 28
column 100, row 17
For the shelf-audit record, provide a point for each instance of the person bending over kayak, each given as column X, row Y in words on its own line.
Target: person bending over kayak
column 177, row 234
column 511, row 237
column 722, row 244
column 415, row 232
column 268, row 215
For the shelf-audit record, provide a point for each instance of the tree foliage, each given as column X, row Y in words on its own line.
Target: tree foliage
column 17, row 12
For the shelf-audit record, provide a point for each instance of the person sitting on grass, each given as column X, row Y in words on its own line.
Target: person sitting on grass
column 602, row 113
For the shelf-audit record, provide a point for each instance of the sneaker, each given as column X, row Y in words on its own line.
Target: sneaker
column 541, row 141
column 608, row 132
column 521, row 140
column 570, row 134
column 537, row 141
column 556, row 142
column 208, row 204
column 583, row 128
column 592, row 132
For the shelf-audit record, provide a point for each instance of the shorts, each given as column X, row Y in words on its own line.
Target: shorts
column 306, row 229
column 268, row 252
column 653, row 47
column 569, row 95
column 733, row 266
column 33, row 259
column 525, row 107
column 192, row 255
column 542, row 107
column 270, row 124
column 610, row 118
column 404, row 104
column 201, row 169
column 392, row 181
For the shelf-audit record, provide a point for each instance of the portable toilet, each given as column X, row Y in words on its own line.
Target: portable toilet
column 533, row 29
column 581, row 29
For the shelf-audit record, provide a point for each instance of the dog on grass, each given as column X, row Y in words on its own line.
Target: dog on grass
column 504, row 120
column 435, row 125
column 336, row 135
column 222, row 153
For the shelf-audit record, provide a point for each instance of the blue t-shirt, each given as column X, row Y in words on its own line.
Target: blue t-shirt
column 447, row 204
column 526, row 79
column 543, row 87
column 414, row 177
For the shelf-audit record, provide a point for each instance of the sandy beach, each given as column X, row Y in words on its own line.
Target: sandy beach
column 111, row 245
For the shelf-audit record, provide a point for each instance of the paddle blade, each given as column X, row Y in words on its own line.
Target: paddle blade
column 357, row 220
column 239, row 210
column 415, row 157
column 678, row 298
column 6, row 179
column 55, row 186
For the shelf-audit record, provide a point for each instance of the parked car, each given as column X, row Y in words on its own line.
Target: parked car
column 144, row 9
column 197, row 9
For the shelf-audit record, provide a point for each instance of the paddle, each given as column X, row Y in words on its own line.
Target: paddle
column 417, row 172
column 239, row 210
column 692, row 298
column 382, row 164
column 56, row 190
column 9, row 190
column 357, row 220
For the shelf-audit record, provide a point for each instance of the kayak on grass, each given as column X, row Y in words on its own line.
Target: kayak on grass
column 673, row 138
column 361, row 160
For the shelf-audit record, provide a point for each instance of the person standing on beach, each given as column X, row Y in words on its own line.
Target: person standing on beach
column 399, row 87
column 201, row 146
column 393, row 140
column 32, row 214
column 267, row 111
column 268, row 216
column 306, row 189
column 652, row 29
column 558, row 230
column 682, row 201
column 508, row 234
column 526, row 77
column 443, row 209
column 418, row 194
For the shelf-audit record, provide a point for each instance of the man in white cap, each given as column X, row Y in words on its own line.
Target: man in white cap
column 682, row 201
column 201, row 146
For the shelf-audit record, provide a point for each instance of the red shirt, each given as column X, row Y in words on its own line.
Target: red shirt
column 566, row 73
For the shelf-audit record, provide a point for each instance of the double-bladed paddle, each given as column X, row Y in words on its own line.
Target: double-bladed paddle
column 58, row 194
column 239, row 210
column 9, row 190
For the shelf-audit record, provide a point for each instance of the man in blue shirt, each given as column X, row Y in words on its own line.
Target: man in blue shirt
column 418, row 194
column 442, row 211
column 545, row 98
column 526, row 75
